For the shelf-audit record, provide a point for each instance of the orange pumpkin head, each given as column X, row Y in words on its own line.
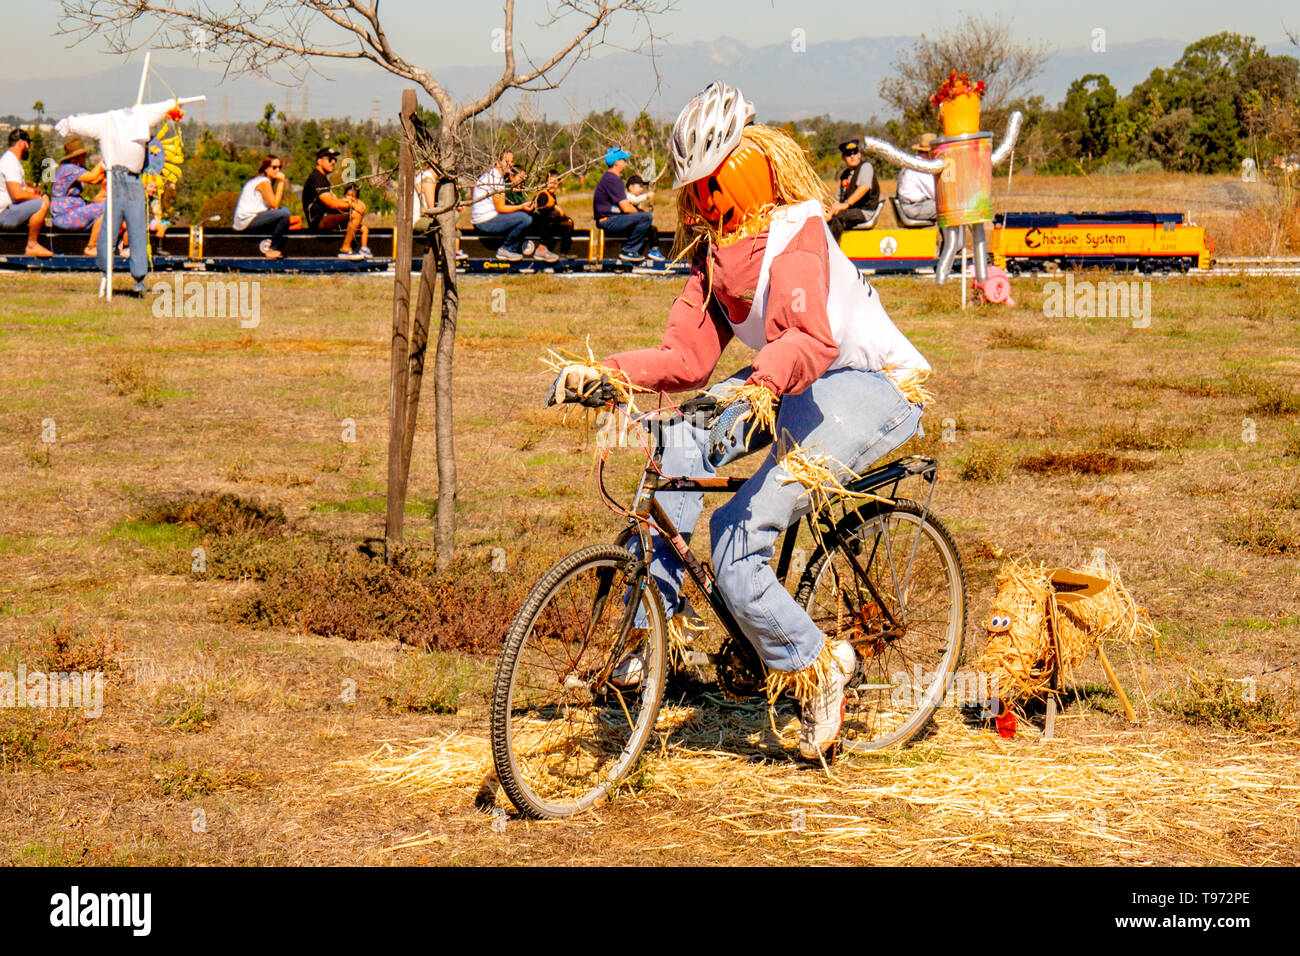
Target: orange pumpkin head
column 739, row 188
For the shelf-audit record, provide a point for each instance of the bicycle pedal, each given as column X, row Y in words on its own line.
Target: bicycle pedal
column 698, row 658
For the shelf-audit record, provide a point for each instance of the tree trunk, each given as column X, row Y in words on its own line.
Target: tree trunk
column 401, row 351
column 445, row 528
column 419, row 345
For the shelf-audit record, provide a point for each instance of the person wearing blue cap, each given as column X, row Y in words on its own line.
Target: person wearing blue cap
column 618, row 216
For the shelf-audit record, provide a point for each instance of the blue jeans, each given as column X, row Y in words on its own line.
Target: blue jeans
column 512, row 224
column 277, row 220
column 128, row 205
column 16, row 214
column 637, row 227
column 853, row 416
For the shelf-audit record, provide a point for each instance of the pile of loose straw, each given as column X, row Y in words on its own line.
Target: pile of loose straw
column 718, row 783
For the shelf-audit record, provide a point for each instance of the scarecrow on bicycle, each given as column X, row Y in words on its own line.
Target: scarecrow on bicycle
column 765, row 270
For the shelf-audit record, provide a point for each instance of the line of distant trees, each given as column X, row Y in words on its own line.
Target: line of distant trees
column 1225, row 99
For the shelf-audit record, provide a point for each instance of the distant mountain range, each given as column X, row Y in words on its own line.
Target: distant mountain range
column 840, row 78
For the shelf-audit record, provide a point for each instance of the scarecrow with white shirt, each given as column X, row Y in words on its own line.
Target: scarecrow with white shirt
column 123, row 137
column 765, row 270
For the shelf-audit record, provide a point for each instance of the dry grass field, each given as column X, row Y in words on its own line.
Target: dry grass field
column 279, row 697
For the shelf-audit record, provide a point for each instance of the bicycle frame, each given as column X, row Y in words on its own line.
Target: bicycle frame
column 647, row 511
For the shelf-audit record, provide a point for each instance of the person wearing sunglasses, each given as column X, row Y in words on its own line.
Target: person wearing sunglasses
column 260, row 208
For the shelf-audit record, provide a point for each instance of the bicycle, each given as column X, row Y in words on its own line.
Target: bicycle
column 563, row 734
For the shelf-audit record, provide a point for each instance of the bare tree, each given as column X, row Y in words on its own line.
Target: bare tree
column 981, row 47
column 254, row 35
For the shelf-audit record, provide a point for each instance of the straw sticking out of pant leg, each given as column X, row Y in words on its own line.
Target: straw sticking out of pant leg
column 682, row 632
column 802, row 684
column 911, row 382
column 819, row 474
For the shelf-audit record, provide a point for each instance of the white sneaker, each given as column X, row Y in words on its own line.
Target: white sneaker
column 630, row 671
column 823, row 713
column 529, row 246
column 508, row 255
column 264, row 246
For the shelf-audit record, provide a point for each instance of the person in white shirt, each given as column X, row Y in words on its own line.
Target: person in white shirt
column 491, row 215
column 258, row 207
column 123, row 135
column 915, row 189
column 19, row 202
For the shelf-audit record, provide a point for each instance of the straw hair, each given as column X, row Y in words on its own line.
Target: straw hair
column 795, row 181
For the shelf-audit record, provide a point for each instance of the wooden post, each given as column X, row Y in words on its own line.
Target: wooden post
column 419, row 346
column 1114, row 682
column 445, row 527
column 401, row 353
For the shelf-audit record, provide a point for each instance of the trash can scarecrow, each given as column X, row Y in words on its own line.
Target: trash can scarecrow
column 963, row 163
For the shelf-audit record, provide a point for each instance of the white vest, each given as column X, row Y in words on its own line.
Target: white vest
column 866, row 337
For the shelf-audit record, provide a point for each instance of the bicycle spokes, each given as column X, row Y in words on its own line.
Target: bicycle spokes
column 904, row 624
column 570, row 731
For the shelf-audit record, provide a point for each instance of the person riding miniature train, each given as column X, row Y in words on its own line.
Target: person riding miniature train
column 859, row 195
column 618, row 216
column 21, row 203
column 323, row 210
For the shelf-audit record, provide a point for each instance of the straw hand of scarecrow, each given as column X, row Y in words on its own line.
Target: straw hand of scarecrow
column 573, row 382
column 587, row 382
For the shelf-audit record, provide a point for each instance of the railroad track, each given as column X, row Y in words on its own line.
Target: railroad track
column 1257, row 266
column 1235, row 266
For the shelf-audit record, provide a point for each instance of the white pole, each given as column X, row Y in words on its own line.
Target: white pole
column 144, row 75
column 109, row 236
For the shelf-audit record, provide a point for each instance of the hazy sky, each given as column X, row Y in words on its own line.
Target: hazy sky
column 459, row 33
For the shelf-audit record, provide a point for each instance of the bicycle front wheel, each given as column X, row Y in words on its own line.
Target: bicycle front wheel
column 562, row 733
column 906, row 625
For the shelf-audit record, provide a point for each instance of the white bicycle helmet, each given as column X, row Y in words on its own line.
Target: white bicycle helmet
column 707, row 130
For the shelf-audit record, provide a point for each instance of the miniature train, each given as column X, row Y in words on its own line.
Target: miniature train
column 1020, row 242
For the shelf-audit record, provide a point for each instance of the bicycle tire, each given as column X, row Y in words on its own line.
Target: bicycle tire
column 551, row 776
column 871, row 722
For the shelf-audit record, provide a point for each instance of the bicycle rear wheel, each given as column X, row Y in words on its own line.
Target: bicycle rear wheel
column 907, row 657
column 562, row 734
